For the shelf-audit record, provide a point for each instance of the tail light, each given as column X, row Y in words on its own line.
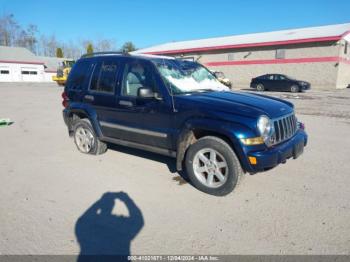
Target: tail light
column 65, row 98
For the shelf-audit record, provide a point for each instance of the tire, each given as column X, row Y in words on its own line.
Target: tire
column 294, row 89
column 205, row 176
column 84, row 134
column 260, row 87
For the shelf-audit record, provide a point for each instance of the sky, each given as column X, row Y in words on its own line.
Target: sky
column 151, row 22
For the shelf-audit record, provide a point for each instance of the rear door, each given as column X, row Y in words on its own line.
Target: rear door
column 101, row 95
column 145, row 121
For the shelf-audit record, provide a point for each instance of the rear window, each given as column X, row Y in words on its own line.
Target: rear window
column 78, row 75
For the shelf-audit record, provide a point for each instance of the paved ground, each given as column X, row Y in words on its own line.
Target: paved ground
column 301, row 207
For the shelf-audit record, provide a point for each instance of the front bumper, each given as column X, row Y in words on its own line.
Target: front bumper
column 306, row 87
column 278, row 154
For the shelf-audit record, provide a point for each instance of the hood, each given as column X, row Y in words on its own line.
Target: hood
column 242, row 103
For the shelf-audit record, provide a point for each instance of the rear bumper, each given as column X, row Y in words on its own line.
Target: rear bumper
column 278, row 154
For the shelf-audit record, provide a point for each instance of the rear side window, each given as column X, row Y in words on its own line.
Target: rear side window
column 105, row 77
column 78, row 75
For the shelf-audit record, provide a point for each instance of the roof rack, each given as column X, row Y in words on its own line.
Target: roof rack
column 104, row 53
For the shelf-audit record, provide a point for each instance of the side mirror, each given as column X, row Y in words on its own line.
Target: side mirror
column 145, row 92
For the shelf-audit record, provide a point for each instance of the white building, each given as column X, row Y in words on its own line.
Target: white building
column 18, row 64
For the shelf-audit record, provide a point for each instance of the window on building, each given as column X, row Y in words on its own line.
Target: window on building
column 4, row 72
column 230, row 57
column 27, row 72
column 346, row 47
column 280, row 53
column 105, row 77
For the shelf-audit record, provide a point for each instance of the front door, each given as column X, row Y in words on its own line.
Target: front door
column 281, row 83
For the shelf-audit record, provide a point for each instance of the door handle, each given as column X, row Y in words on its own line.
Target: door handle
column 125, row 103
column 89, row 97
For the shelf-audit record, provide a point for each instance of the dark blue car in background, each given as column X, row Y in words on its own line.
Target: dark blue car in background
column 278, row 82
column 179, row 109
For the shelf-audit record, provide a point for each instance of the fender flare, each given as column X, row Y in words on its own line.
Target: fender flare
column 89, row 114
column 187, row 137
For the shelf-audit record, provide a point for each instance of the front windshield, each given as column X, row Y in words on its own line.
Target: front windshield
column 187, row 77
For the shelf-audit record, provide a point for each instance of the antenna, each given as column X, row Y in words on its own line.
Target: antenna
column 171, row 92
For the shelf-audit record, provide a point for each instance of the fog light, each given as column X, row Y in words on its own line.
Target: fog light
column 252, row 141
column 253, row 160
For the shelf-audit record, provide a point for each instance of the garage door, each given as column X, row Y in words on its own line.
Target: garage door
column 5, row 74
column 30, row 75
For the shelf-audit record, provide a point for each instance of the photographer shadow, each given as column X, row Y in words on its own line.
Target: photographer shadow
column 105, row 236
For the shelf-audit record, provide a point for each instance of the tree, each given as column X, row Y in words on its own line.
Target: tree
column 9, row 30
column 59, row 52
column 128, row 47
column 31, row 39
column 104, row 45
column 89, row 49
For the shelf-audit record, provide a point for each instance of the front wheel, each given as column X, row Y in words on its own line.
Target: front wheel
column 85, row 138
column 212, row 166
column 294, row 89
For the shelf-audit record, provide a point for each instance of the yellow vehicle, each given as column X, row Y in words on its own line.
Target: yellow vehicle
column 63, row 72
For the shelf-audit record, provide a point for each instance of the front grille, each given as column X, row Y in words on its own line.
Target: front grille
column 285, row 127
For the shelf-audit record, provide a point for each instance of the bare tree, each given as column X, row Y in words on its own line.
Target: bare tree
column 9, row 29
column 13, row 34
column 31, row 41
column 105, row 45
column 72, row 50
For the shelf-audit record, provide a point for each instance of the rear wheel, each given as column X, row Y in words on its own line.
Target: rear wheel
column 212, row 166
column 294, row 89
column 85, row 138
column 260, row 87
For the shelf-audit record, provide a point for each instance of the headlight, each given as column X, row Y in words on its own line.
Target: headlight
column 265, row 127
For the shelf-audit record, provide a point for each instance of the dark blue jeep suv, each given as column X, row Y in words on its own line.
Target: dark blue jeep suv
column 179, row 109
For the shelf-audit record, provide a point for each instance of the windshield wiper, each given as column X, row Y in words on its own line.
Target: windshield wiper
column 202, row 90
column 197, row 91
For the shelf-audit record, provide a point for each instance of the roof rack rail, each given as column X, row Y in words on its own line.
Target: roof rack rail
column 104, row 53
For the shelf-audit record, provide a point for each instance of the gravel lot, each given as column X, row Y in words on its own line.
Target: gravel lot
column 301, row 207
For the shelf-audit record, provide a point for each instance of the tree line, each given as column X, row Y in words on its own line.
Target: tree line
column 14, row 34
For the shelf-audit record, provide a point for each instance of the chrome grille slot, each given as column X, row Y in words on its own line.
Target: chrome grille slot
column 285, row 127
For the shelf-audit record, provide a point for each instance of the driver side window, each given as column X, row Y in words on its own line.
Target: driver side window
column 136, row 75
